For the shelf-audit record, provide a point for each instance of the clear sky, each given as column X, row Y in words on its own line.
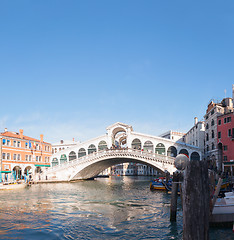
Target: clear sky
column 70, row 68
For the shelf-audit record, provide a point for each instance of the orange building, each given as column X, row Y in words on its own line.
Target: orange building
column 21, row 155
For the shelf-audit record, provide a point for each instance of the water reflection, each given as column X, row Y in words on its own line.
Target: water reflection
column 111, row 208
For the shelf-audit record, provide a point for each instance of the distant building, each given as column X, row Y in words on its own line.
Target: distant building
column 196, row 135
column 225, row 141
column 173, row 135
column 63, row 144
column 214, row 110
column 22, row 154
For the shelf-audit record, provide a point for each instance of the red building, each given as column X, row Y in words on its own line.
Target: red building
column 225, row 141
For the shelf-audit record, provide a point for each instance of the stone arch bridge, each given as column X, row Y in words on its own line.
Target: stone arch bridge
column 120, row 144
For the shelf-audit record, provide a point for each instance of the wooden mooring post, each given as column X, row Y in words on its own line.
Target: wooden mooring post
column 174, row 195
column 196, row 201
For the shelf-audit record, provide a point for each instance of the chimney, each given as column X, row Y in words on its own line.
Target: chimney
column 195, row 120
column 41, row 137
column 21, row 132
column 5, row 130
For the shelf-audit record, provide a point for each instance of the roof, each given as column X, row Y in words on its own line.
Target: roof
column 17, row 135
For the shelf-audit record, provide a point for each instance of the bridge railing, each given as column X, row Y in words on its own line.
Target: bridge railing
column 113, row 152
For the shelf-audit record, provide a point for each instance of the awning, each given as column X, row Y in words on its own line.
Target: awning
column 228, row 163
column 39, row 165
column 5, row 171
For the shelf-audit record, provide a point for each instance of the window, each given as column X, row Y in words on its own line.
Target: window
column 225, row 120
column 8, row 143
column 219, row 122
column 3, row 155
column 14, row 156
column 207, row 137
column 219, row 134
column 14, row 143
column 48, row 159
column 3, row 141
column 207, row 126
column 212, row 134
column 207, row 116
column 29, row 158
column 18, row 144
column 6, row 167
column 37, row 158
column 45, row 159
column 229, row 132
column 19, row 157
column 26, row 145
column 229, row 119
column 26, row 157
column 207, row 148
column 212, row 112
column 212, row 122
column 225, row 147
column 213, row 146
column 8, row 156
column 224, row 158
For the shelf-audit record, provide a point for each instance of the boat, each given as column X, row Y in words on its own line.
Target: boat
column 224, row 205
column 160, row 184
column 12, row 185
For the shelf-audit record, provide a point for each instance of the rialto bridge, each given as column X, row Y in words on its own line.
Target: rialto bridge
column 119, row 145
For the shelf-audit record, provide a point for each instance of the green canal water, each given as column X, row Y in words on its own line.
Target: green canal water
column 111, row 208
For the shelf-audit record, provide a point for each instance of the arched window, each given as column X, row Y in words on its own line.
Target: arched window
column 148, row 146
column 172, row 151
column 81, row 152
column 63, row 158
column 136, row 144
column 72, row 155
column 195, row 156
column 184, row 151
column 212, row 122
column 92, row 149
column 160, row 149
column 102, row 146
column 54, row 162
column 213, row 146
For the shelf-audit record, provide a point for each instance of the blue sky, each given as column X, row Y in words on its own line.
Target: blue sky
column 70, row 68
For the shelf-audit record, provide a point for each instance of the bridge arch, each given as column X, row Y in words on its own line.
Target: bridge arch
column 81, row 152
column 184, row 151
column 172, row 151
column 136, row 144
column 148, row 146
column 92, row 170
column 195, row 156
column 63, row 158
column 160, row 149
column 92, row 148
column 72, row 155
column 102, row 145
column 54, row 162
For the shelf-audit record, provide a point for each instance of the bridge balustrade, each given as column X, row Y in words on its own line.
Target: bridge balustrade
column 113, row 153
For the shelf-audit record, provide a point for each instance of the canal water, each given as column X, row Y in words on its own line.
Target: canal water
column 107, row 208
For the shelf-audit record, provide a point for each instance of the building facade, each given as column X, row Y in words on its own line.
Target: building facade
column 63, row 144
column 196, row 135
column 214, row 110
column 225, row 141
column 22, row 155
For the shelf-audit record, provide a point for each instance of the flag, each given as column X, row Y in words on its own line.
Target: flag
column 30, row 145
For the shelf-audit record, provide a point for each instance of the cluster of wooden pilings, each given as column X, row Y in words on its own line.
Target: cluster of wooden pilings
column 197, row 199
